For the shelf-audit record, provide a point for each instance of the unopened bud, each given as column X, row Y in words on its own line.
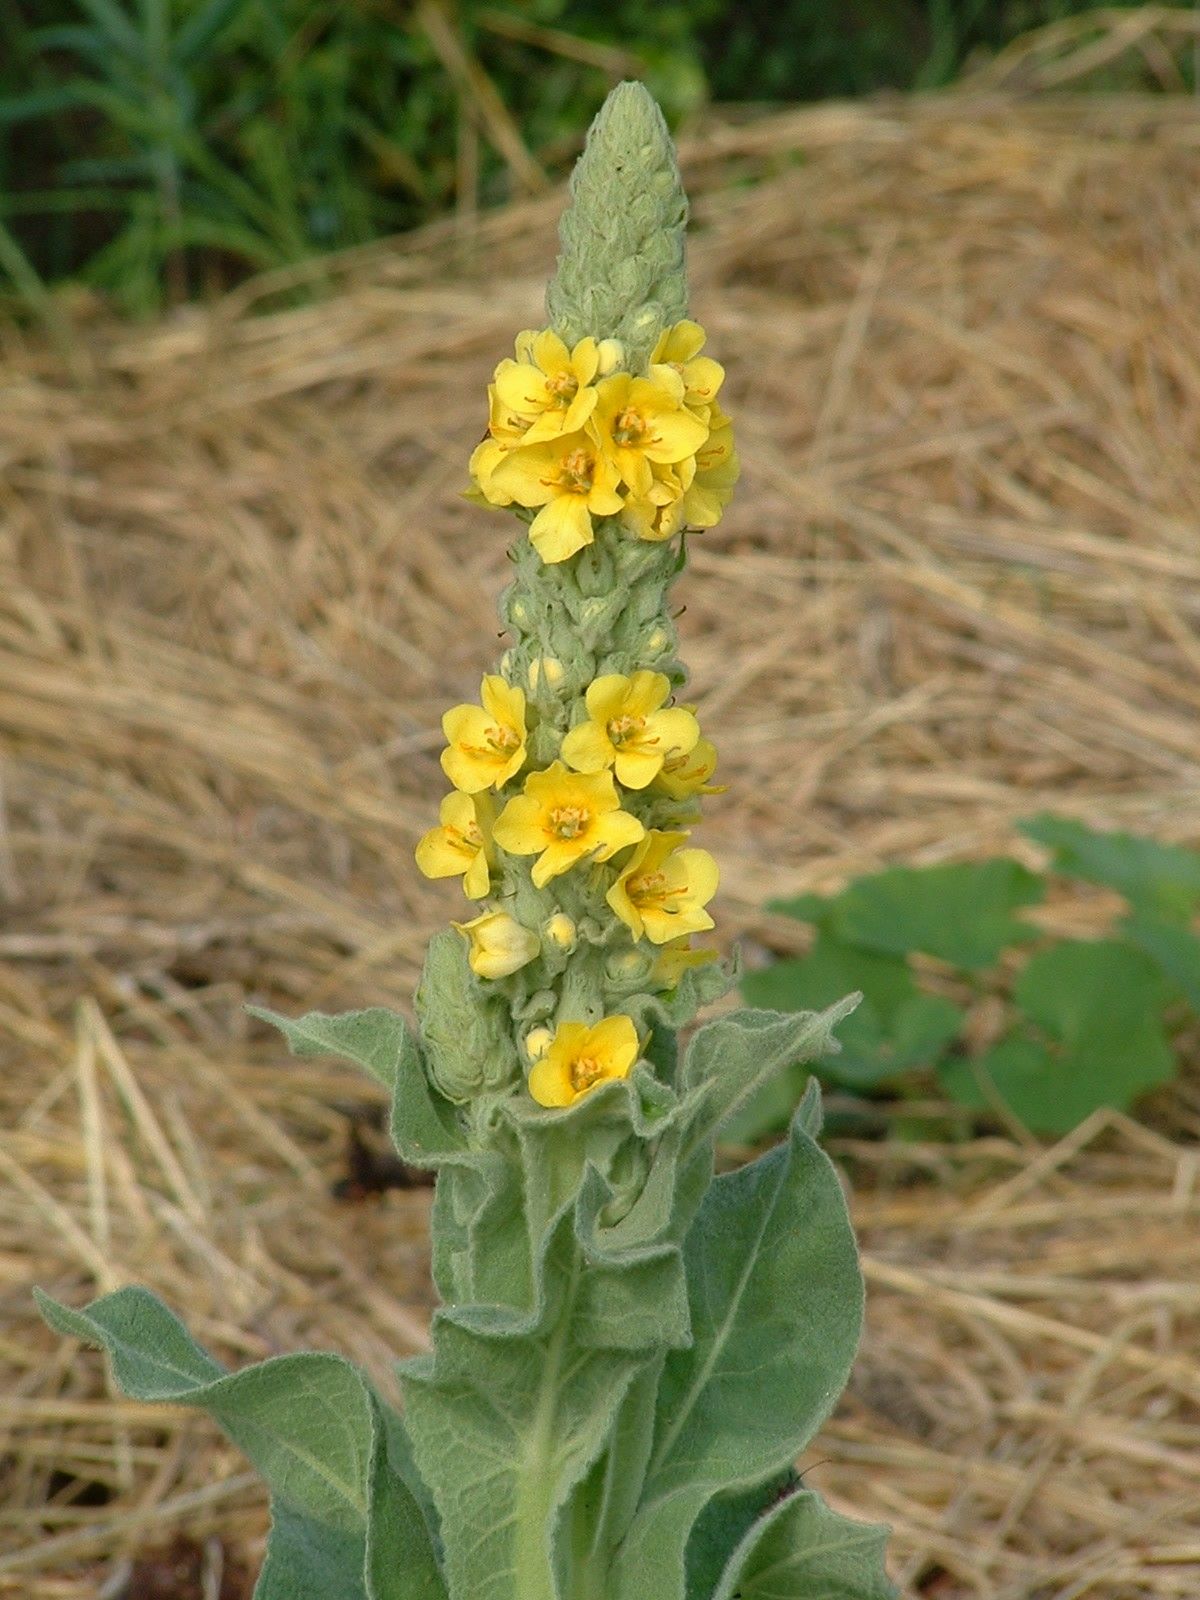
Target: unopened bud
column 612, row 356
column 549, row 668
column 499, row 944
column 628, row 967
column 537, row 1042
column 560, row 932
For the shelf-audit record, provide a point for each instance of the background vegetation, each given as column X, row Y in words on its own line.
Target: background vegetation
column 159, row 149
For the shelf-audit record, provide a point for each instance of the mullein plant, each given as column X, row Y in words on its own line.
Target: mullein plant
column 630, row 1353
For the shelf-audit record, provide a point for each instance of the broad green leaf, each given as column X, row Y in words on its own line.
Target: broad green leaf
column 803, row 907
column 1052, row 1088
column 961, row 913
column 730, row 1059
column 372, row 1039
column 1175, row 952
column 311, row 1426
column 504, row 1429
column 308, row 1558
column 776, row 1308
column 1099, row 1006
column 424, row 1127
column 1162, row 879
column 720, row 1529
column 1080, row 986
column 801, row 1550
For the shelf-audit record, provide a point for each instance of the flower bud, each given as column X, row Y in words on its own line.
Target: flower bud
column 537, row 1042
column 549, row 668
column 630, row 966
column 612, row 356
column 560, row 932
column 518, row 612
column 499, row 944
column 469, row 1047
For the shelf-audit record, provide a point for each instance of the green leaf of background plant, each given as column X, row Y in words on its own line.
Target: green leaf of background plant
column 961, row 913
column 776, row 1309
column 1153, row 877
column 801, row 1550
column 1175, row 952
column 1100, row 1004
column 308, row 1422
column 1079, row 986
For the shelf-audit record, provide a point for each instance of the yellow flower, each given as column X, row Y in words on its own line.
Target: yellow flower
column 462, row 844
column 687, row 773
column 643, row 421
column 572, row 482
column 710, row 491
column 675, row 958
column 549, row 384
column 679, row 349
column 563, row 817
column 662, row 893
column 499, row 944
column 486, row 743
column 580, row 1058
column 629, row 728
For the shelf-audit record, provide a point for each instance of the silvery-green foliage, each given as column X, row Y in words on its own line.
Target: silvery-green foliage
column 629, row 1356
column 468, row 1036
column 621, row 270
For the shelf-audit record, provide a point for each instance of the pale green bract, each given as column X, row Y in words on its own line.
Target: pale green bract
column 630, row 1353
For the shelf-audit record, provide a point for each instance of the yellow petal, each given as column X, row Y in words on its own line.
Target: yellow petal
column 561, row 528
column 521, row 388
column 676, row 434
column 587, row 748
column 679, row 343
column 528, row 474
column 550, row 353
column 559, row 856
column 504, row 702
column 614, row 832
column 519, row 828
column 616, row 1040
column 550, row 1083
column 636, row 769
column 478, row 878
column 646, row 692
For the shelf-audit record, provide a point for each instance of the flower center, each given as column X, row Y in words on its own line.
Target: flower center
column 578, row 469
column 503, row 740
column 585, row 1071
column 648, row 887
column 563, row 386
column 568, row 822
column 629, row 427
column 622, row 729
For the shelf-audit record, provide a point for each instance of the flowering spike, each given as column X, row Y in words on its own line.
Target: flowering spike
column 621, row 272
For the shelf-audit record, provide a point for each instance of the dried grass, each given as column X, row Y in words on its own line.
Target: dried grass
column 962, row 582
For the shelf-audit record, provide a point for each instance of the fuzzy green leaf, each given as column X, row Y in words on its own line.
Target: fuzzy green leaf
column 505, row 1424
column 424, row 1126
column 776, row 1310
column 1162, row 879
column 314, row 1430
column 735, row 1056
column 801, row 1550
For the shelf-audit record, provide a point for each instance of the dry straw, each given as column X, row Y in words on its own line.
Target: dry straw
column 962, row 583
